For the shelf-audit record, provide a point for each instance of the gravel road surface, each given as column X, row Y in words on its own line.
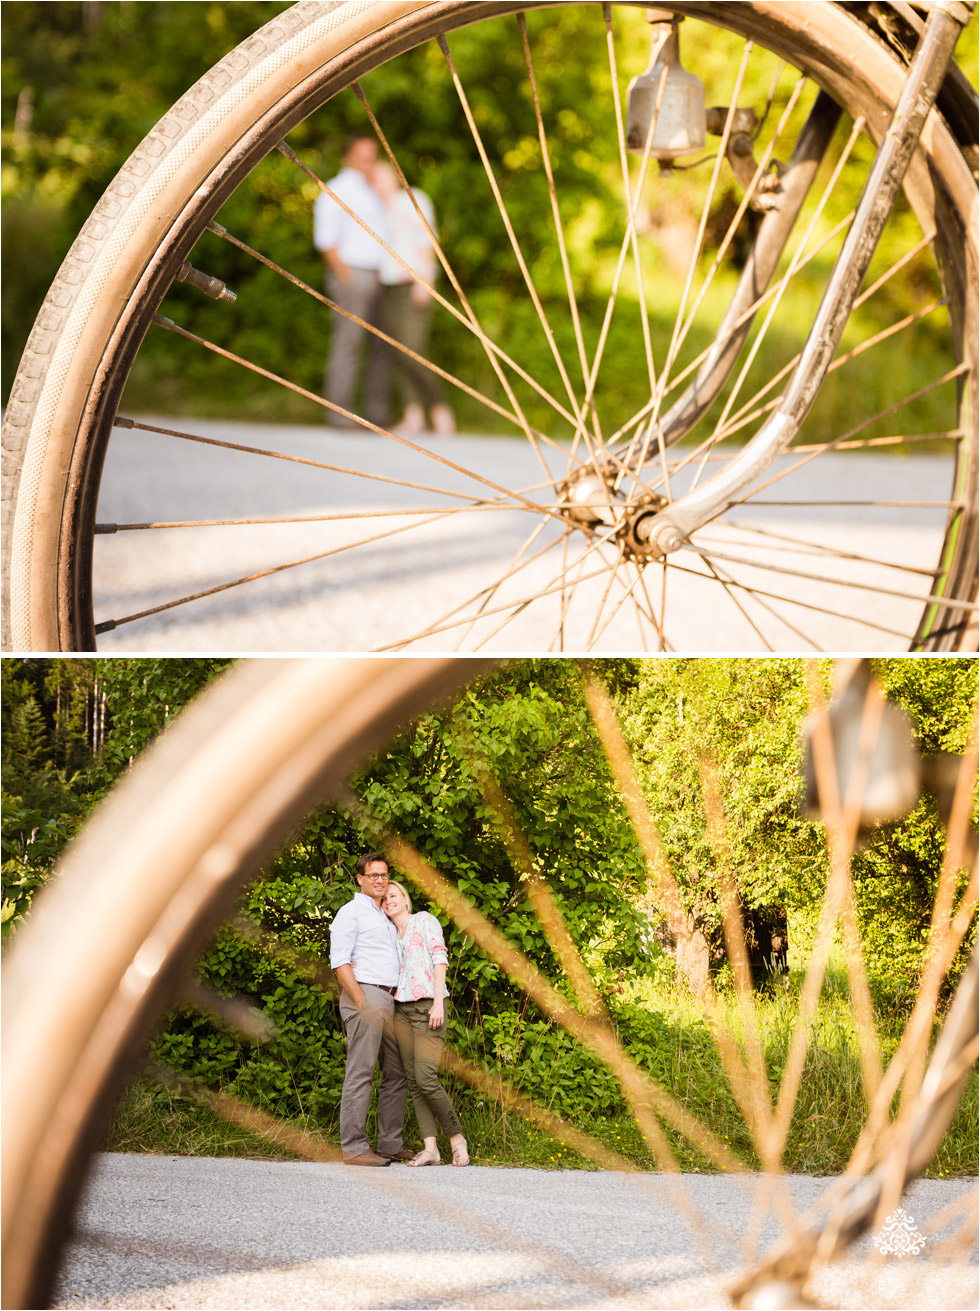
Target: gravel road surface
column 400, row 581
column 180, row 1232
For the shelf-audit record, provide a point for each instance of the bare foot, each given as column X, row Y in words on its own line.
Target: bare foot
column 428, row 1157
column 412, row 422
column 461, row 1155
column 443, row 420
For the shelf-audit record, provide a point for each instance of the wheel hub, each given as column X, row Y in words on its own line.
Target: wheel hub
column 591, row 501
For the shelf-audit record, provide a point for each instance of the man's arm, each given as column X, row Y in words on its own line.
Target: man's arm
column 327, row 218
column 345, row 977
column 338, row 268
column 343, row 941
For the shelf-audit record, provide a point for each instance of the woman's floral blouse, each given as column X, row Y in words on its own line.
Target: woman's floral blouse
column 419, row 951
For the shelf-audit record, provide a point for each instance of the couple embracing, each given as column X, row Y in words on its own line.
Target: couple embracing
column 391, row 967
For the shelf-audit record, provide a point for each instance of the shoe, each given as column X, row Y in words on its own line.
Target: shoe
column 461, row 1155
column 367, row 1158
column 426, row 1158
column 403, row 1155
column 443, row 420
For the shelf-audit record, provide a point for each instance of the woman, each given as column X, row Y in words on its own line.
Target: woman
column 406, row 307
column 420, row 1023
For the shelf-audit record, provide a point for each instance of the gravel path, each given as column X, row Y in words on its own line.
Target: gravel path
column 399, row 582
column 181, row 1232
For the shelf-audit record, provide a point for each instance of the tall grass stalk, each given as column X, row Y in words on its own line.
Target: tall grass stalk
column 666, row 1034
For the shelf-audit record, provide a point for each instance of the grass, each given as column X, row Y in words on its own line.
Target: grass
column 670, row 1040
column 152, row 1119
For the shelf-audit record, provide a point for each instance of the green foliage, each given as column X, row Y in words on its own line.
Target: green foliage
column 528, row 723
column 70, row 728
column 151, row 1118
column 746, row 717
column 31, row 843
column 142, row 696
column 83, row 84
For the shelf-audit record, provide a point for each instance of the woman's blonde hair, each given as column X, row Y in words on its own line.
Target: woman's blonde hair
column 403, row 890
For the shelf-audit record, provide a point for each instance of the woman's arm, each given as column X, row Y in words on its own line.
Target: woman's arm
column 437, row 1012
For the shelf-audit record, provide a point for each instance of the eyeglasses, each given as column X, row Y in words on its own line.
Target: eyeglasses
column 374, row 876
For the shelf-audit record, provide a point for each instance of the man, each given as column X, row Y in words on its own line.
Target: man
column 353, row 258
column 364, row 956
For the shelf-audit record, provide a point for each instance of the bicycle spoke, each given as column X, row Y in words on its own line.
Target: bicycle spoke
column 865, row 423
column 860, row 300
column 314, row 1147
column 844, row 442
column 677, row 336
column 554, row 588
column 563, row 591
column 628, row 590
column 760, row 171
column 631, row 202
column 382, row 432
column 602, row 604
column 556, row 215
column 868, row 443
column 800, row 546
column 107, row 626
column 103, row 529
column 795, row 601
column 766, row 296
column 657, row 624
column 632, row 198
column 772, row 291
column 472, row 502
column 494, row 353
column 559, row 636
column 580, row 428
column 837, row 582
column 742, row 1076
column 509, row 572
column 375, row 331
column 726, row 585
column 744, row 416
column 794, row 265
column 485, row 595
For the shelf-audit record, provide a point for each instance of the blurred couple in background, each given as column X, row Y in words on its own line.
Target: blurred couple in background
column 373, row 283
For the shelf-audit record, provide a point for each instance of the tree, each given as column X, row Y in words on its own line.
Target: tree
column 746, row 717
column 70, row 728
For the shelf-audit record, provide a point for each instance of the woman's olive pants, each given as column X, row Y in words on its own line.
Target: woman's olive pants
column 421, row 1051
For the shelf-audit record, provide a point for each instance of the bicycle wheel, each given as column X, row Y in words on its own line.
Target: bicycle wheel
column 163, row 861
column 303, row 725
column 517, row 545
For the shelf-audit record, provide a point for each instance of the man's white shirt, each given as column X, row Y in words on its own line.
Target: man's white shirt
column 333, row 227
column 362, row 934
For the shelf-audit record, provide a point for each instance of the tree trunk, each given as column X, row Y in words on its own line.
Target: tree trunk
column 692, row 953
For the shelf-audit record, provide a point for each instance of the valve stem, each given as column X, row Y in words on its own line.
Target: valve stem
column 213, row 287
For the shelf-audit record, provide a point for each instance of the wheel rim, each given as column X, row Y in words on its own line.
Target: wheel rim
column 546, row 579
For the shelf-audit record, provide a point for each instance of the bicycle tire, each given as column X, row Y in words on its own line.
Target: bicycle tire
column 269, row 741
column 88, row 332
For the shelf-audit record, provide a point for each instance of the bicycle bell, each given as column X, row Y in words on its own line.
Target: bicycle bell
column 889, row 766
column 680, row 121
